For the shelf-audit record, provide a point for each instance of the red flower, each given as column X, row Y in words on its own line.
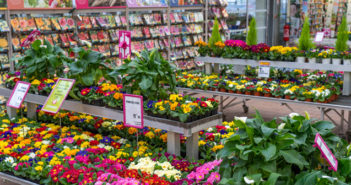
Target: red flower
column 94, row 143
column 115, row 145
column 131, row 159
column 85, row 91
column 16, row 80
column 203, row 104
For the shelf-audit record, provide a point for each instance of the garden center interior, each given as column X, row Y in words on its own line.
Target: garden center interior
column 175, row 92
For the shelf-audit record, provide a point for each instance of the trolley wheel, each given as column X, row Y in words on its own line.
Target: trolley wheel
column 246, row 109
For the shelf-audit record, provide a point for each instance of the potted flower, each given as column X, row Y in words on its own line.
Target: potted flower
column 231, row 86
column 203, row 48
column 289, row 94
column 258, row 91
column 222, row 86
column 240, row 89
column 308, row 96
column 311, row 55
column 278, row 92
column 324, row 56
column 217, row 49
column 346, row 56
column 300, row 56
column 336, row 58
column 267, row 92
column 250, row 89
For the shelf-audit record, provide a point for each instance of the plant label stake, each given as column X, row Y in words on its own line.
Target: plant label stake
column 18, row 95
column 326, row 153
column 58, row 95
column 31, row 38
column 319, row 37
column 124, row 44
column 133, row 111
column 264, row 70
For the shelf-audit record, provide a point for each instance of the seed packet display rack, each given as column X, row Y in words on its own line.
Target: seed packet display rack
column 339, row 107
column 108, row 46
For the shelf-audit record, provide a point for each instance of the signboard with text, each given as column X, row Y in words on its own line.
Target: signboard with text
column 58, row 95
column 36, row 4
column 326, row 153
column 133, row 111
column 264, row 70
column 18, row 95
column 89, row 4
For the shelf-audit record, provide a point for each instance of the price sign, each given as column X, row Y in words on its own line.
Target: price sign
column 18, row 95
column 133, row 111
column 264, row 69
column 326, row 153
column 125, row 48
column 319, row 37
column 58, row 95
column 31, row 38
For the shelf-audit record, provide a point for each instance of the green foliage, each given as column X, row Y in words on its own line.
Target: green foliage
column 251, row 38
column 215, row 36
column 343, row 36
column 305, row 42
column 89, row 67
column 147, row 74
column 42, row 60
column 271, row 154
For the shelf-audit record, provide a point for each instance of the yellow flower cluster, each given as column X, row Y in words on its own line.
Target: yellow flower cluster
column 220, row 44
column 282, row 49
column 200, row 43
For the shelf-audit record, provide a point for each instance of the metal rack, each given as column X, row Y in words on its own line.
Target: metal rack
column 339, row 106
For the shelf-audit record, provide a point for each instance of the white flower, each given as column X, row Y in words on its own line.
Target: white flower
column 243, row 119
column 328, row 177
column 230, row 85
column 281, row 126
column 293, row 114
column 9, row 160
column 209, row 129
column 101, row 145
column 248, row 180
column 227, row 127
column 32, row 155
column 122, row 141
column 46, row 142
column 43, row 46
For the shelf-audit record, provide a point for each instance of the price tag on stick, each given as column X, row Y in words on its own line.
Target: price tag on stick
column 326, row 153
column 133, row 111
column 264, row 69
column 58, row 95
column 18, row 95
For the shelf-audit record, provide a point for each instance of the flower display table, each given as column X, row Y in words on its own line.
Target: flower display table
column 174, row 128
column 292, row 65
column 6, row 179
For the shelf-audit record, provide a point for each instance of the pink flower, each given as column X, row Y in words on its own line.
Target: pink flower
column 214, row 177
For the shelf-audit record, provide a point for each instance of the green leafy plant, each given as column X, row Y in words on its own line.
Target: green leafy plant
column 89, row 67
column 42, row 60
column 252, row 34
column 215, row 36
column 305, row 42
column 269, row 153
column 342, row 38
column 147, row 74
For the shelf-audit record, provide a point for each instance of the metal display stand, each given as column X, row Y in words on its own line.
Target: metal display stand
column 338, row 106
column 174, row 128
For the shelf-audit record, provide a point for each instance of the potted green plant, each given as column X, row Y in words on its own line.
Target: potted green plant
column 346, row 57
column 336, row 57
column 324, row 56
column 312, row 55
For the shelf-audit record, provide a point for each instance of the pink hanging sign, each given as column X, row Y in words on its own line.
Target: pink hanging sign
column 125, row 48
column 326, row 152
column 98, row 4
column 18, row 94
column 31, row 38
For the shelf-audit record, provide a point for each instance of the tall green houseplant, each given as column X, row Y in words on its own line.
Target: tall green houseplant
column 251, row 38
column 341, row 41
column 216, row 36
column 305, row 42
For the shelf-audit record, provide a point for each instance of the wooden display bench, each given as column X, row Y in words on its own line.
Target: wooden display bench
column 174, row 128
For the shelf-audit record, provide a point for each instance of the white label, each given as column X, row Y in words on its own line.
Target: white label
column 133, row 111
column 264, row 70
column 18, row 95
column 238, row 23
column 319, row 37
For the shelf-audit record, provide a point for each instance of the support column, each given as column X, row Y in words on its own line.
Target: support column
column 173, row 143
column 31, row 110
column 192, row 147
column 216, row 69
column 12, row 112
column 208, row 69
column 347, row 84
column 348, row 132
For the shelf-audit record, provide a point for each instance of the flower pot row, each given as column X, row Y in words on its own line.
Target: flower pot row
column 334, row 61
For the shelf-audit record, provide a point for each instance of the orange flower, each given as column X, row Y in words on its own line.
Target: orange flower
column 118, row 96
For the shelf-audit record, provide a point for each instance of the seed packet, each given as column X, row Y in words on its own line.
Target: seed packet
column 49, row 39
column 172, row 17
column 40, row 37
column 93, row 36
column 107, row 52
column 83, row 36
column 156, row 43
column 4, row 45
column 187, row 41
column 165, row 18
column 15, row 24
column 224, row 13
column 55, row 39
column 102, row 36
column 93, row 22
column 113, row 35
column 41, row 24
column 4, row 27
column 4, row 59
column 146, row 32
column 158, row 18
column 71, row 39
column 31, row 24
column 55, row 23
column 95, row 48
column 101, row 49
column 114, row 49
column 101, row 22
column 118, row 21
column 111, row 21
column 161, row 44
column 63, row 23
column 224, row 24
column 23, row 38
column 123, row 20
column 64, row 40
column 23, row 24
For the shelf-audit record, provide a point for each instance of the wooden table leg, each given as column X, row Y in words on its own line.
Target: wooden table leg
column 192, row 147
column 173, row 143
column 208, row 68
column 346, row 90
column 31, row 110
